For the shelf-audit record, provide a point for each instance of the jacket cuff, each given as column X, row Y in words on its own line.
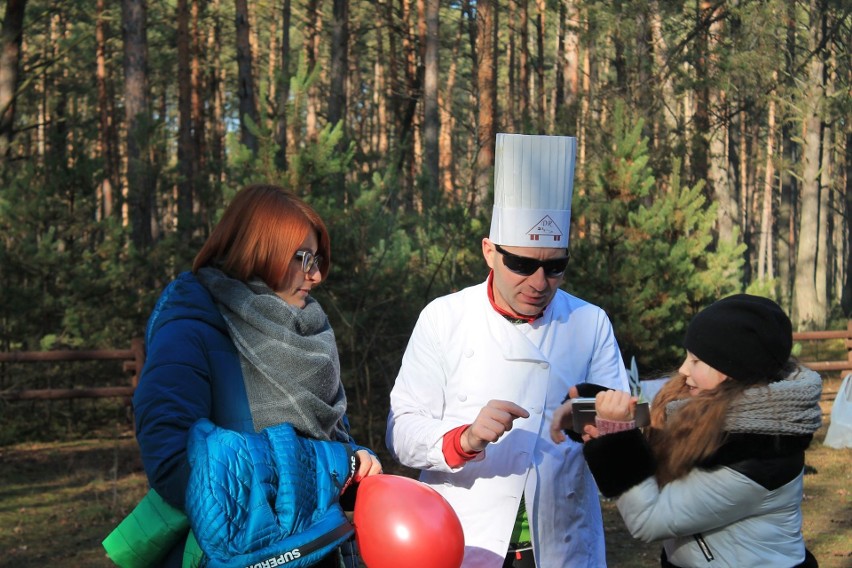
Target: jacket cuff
column 605, row 426
column 619, row 461
column 454, row 454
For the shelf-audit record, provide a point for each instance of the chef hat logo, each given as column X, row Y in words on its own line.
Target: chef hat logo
column 533, row 186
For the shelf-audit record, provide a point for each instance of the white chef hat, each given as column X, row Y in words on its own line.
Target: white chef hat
column 533, row 185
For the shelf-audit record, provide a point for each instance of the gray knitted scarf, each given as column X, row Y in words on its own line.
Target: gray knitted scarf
column 789, row 406
column 288, row 356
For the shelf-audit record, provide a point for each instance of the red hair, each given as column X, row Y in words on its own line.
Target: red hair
column 259, row 234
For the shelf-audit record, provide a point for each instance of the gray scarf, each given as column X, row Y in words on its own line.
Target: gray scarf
column 288, row 357
column 788, row 407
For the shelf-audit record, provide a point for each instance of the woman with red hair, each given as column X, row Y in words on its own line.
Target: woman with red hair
column 239, row 341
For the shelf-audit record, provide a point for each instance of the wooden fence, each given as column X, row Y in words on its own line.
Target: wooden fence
column 132, row 358
column 821, row 366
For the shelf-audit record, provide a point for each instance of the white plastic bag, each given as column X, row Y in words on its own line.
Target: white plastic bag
column 839, row 433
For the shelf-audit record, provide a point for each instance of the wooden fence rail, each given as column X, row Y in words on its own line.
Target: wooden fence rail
column 842, row 366
column 133, row 359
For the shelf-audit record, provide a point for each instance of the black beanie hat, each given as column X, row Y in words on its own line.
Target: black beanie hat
column 748, row 338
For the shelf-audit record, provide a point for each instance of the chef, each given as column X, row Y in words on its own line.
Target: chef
column 485, row 368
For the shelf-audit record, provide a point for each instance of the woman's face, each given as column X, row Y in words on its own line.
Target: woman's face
column 296, row 284
column 699, row 375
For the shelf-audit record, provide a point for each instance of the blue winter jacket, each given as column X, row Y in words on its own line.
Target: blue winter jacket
column 192, row 371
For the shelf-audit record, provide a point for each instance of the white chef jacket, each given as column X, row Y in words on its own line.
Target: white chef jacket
column 462, row 354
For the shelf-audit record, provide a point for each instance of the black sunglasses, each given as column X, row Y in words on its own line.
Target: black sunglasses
column 525, row 266
column 309, row 260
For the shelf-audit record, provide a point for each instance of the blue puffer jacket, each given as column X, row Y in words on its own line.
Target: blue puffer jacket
column 266, row 499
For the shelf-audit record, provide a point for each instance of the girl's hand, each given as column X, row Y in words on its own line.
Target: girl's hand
column 367, row 465
column 615, row 405
column 563, row 418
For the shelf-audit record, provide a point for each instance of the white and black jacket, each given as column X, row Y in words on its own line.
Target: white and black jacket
column 740, row 507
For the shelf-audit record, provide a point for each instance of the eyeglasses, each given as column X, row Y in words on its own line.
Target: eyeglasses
column 309, row 260
column 526, row 266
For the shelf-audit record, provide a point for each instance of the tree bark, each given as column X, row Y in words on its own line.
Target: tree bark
column 11, row 37
column 283, row 87
column 138, row 116
column 809, row 311
column 311, row 47
column 339, row 61
column 486, row 81
column 246, row 91
column 541, row 110
column 215, row 93
column 447, row 165
column 525, row 86
column 431, row 117
column 186, row 142
column 846, row 295
column 107, row 141
column 765, row 264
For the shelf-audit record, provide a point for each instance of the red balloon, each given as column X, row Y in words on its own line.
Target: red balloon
column 402, row 522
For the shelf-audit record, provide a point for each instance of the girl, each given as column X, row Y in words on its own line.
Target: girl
column 718, row 477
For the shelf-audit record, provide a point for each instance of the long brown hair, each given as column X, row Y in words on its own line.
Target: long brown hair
column 697, row 429
column 694, row 432
column 259, row 234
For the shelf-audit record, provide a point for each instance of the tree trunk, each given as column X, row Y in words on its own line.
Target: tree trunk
column 665, row 86
column 486, row 82
column 511, row 108
column 11, row 37
column 846, row 296
column 197, row 111
column 283, row 87
column 524, row 63
column 311, row 47
column 215, row 93
column 106, row 111
column 245, row 78
column 431, row 117
column 138, row 116
column 379, row 139
column 447, row 164
column 186, row 142
column 541, row 111
column 339, row 61
column 559, row 76
column 809, row 312
column 789, row 154
column 701, row 102
column 765, row 265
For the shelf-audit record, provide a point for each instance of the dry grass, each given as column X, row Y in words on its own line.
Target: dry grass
column 59, row 500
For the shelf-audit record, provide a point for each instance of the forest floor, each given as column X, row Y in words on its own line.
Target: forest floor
column 59, row 500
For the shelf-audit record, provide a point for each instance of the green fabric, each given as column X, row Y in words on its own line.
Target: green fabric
column 521, row 532
column 192, row 553
column 147, row 534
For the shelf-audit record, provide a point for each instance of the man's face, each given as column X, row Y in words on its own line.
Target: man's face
column 525, row 295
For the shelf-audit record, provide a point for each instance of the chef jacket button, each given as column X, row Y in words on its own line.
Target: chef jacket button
column 536, row 410
column 462, row 397
column 545, row 365
column 468, row 353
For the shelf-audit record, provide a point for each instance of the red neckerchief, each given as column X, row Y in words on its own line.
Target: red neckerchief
column 514, row 318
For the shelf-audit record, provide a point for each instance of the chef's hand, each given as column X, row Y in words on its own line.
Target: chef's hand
column 366, row 464
column 494, row 420
column 563, row 418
